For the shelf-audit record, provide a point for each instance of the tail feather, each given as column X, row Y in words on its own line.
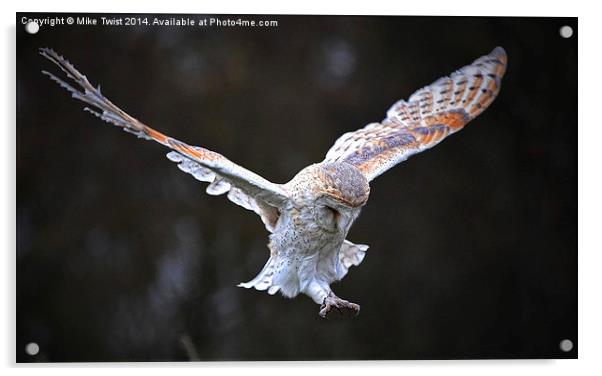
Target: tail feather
column 350, row 255
column 263, row 280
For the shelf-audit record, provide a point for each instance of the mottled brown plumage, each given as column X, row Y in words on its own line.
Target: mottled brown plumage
column 431, row 114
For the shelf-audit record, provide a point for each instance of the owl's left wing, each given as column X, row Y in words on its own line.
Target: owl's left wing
column 431, row 114
column 242, row 186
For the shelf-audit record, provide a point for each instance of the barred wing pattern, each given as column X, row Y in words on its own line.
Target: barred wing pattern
column 244, row 187
column 431, row 114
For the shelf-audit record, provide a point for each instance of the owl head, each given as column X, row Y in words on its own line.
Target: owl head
column 341, row 185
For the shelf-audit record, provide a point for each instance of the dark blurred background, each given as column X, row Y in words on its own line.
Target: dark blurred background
column 122, row 257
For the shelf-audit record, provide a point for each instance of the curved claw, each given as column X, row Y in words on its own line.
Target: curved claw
column 344, row 307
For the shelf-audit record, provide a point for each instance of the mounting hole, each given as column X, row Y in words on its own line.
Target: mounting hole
column 32, row 348
column 32, row 27
column 566, row 31
column 566, row 345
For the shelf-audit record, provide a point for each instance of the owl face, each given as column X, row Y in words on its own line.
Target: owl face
column 334, row 215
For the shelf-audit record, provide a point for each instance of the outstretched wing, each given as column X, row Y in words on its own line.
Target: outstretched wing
column 244, row 187
column 431, row 114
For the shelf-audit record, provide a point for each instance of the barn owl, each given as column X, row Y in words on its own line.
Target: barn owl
column 309, row 217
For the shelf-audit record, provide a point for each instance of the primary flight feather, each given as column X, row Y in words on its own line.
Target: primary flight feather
column 309, row 217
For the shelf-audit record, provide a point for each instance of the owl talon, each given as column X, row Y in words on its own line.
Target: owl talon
column 344, row 307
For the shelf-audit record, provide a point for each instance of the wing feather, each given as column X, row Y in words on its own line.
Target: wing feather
column 244, row 187
column 425, row 119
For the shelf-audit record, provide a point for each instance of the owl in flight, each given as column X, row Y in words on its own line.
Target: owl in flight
column 308, row 218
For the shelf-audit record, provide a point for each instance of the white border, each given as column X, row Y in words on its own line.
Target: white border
column 590, row 129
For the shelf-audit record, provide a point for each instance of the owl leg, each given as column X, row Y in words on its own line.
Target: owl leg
column 321, row 293
column 343, row 306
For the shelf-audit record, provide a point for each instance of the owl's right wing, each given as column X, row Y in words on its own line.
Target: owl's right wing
column 243, row 187
column 425, row 119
